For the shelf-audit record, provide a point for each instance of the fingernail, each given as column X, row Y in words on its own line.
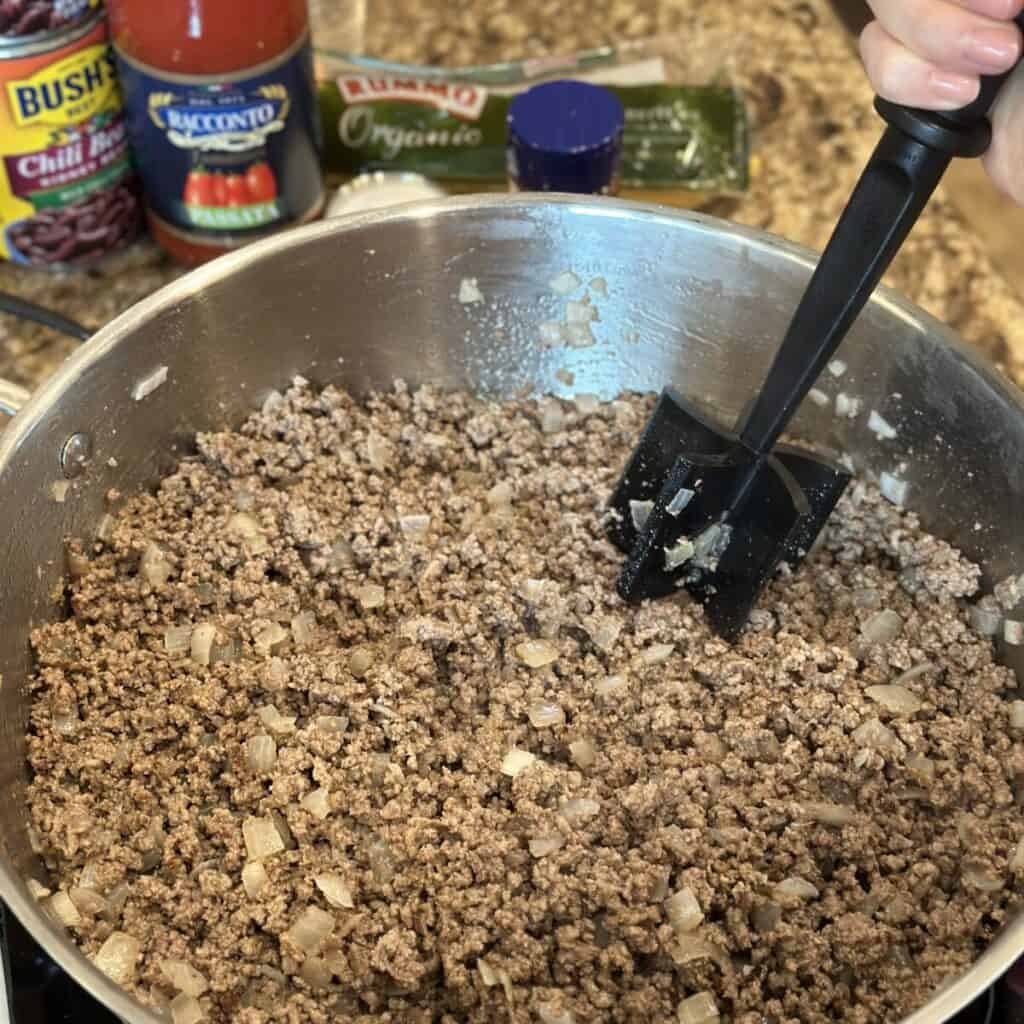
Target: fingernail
column 956, row 90
column 992, row 49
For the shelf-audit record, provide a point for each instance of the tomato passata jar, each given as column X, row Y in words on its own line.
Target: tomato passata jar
column 222, row 117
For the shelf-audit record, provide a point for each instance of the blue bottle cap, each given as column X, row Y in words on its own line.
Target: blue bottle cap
column 565, row 137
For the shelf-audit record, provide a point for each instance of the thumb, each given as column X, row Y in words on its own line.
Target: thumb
column 1004, row 160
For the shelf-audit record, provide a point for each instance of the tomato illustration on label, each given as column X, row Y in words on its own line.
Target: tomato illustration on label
column 261, row 182
column 238, row 191
column 200, row 189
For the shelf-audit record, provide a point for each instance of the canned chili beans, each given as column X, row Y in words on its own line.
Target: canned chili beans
column 68, row 194
column 26, row 17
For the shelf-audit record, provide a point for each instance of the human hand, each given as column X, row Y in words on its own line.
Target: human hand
column 931, row 53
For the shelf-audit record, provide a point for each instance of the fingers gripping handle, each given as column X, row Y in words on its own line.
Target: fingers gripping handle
column 894, row 188
column 964, row 132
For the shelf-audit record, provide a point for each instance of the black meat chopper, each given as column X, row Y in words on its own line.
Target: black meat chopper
column 716, row 511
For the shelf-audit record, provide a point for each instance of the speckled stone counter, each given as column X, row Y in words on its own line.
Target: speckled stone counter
column 814, row 130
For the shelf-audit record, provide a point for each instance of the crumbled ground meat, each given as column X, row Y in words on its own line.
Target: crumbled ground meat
column 840, row 850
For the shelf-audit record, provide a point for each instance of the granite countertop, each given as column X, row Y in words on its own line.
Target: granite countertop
column 814, row 129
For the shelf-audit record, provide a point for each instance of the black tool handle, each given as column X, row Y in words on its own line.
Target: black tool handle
column 897, row 183
column 25, row 310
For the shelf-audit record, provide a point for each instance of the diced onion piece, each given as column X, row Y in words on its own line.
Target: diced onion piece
column 360, row 661
column 565, row 283
column 335, row 890
column 981, row 878
column 922, row 766
column 331, row 723
column 895, row 698
column 819, row 398
column 710, row 544
column 552, row 416
column 185, row 1009
column 311, row 930
column 275, row 675
column 551, row 333
column 316, row 972
column 487, row 974
column 369, row 596
column 544, row 715
column 678, row 555
column 579, row 810
column 880, row 426
column 274, row 400
column 913, row 673
column 1017, row 860
column 543, row 845
column 414, row 526
column 499, row 497
column 657, row 654
column 611, row 685
column 303, row 626
column 177, row 640
column 985, row 620
column 837, row 367
column 154, row 566
column 59, row 490
column 88, row 901
column 639, row 512
column 516, row 761
column 893, row 489
column 64, row 910
column 679, row 501
column 876, row 736
column 699, row 1009
column 261, row 753
column 847, row 406
column 469, row 291
column 184, row 977
column 275, row 721
column 246, row 529
column 201, row 643
column 1017, row 714
column 684, row 912
column 117, row 957
column 377, row 451
column 66, row 725
column 1013, row 632
column 881, row 628
column 37, row 890
column 586, row 404
column 283, row 829
column 826, row 813
column 580, row 312
column 796, row 888
column 266, row 637
column 105, row 527
column 536, row 653
column 605, row 633
column 262, row 838
column 533, row 590
column 341, row 555
column 318, row 803
column 254, row 878
column 583, row 753
column 692, row 946
column 549, row 1015
column 579, row 335
column 144, row 387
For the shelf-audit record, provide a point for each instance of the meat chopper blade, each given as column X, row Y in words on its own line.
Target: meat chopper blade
column 716, row 511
